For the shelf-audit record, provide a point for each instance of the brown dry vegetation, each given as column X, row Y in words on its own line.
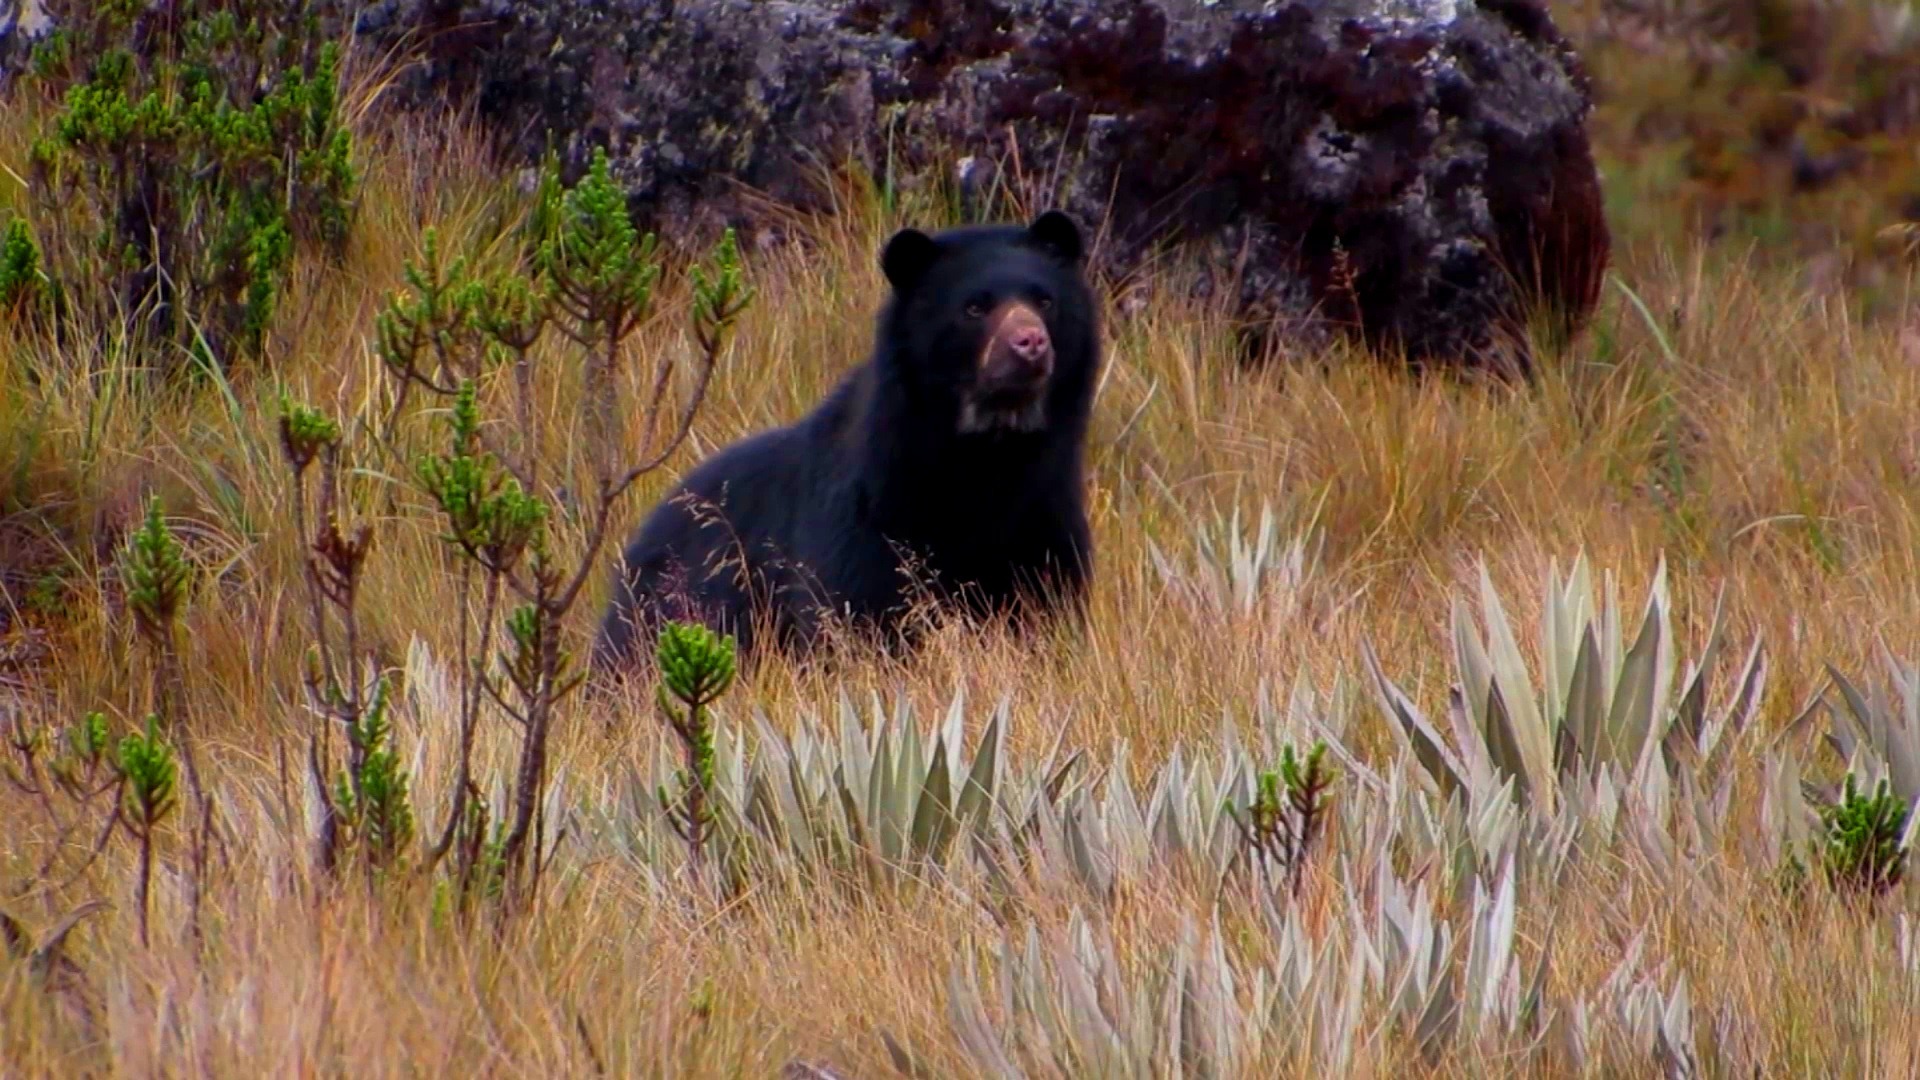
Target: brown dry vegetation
column 1757, row 434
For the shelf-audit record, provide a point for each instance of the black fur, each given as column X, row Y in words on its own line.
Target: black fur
column 840, row 513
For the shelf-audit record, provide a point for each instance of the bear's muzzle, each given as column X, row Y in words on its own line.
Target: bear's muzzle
column 1017, row 357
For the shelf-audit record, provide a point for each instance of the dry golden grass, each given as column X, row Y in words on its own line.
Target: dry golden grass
column 1761, row 438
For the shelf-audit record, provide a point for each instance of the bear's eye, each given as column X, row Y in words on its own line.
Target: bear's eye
column 1043, row 301
column 976, row 309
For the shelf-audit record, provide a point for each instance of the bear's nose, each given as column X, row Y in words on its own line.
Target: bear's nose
column 1030, row 344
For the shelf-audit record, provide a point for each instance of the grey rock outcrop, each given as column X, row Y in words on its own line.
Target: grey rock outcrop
column 1414, row 171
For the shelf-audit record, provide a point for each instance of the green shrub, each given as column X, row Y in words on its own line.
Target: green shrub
column 21, row 279
column 447, row 334
column 1865, row 839
column 193, row 152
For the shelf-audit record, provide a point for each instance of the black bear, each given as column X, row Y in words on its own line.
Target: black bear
column 947, row 468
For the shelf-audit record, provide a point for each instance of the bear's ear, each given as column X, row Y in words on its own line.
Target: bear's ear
column 1055, row 233
column 907, row 258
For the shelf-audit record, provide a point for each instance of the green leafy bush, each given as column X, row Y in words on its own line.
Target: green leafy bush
column 585, row 273
column 195, row 148
column 22, row 281
column 1866, row 849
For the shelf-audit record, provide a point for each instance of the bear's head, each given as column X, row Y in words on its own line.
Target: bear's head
column 993, row 327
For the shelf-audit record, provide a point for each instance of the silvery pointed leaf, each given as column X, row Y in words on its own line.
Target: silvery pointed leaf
column 968, row 1017
column 1570, row 614
column 1574, row 1034
column 1341, row 1032
column 1646, row 824
column 1728, row 724
column 1442, row 767
column 1902, row 728
column 1476, row 670
column 1490, row 954
column 982, row 789
column 1227, row 1032
column 1666, row 662
column 1559, row 638
column 855, row 755
column 932, row 812
column 1132, row 838
column 1084, row 850
column 1516, row 689
column 1854, row 718
column 1082, row 998
column 1504, row 741
column 1434, row 1028
column 1610, row 633
column 799, row 808
column 877, row 811
column 1631, row 718
column 954, row 729
column 1689, row 717
column 1533, row 998
column 909, row 759
column 1783, row 809
column 1796, row 729
column 1583, row 727
column 1166, row 809
column 1910, row 836
column 1174, row 1037
column 1676, row 1032
column 1469, row 740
